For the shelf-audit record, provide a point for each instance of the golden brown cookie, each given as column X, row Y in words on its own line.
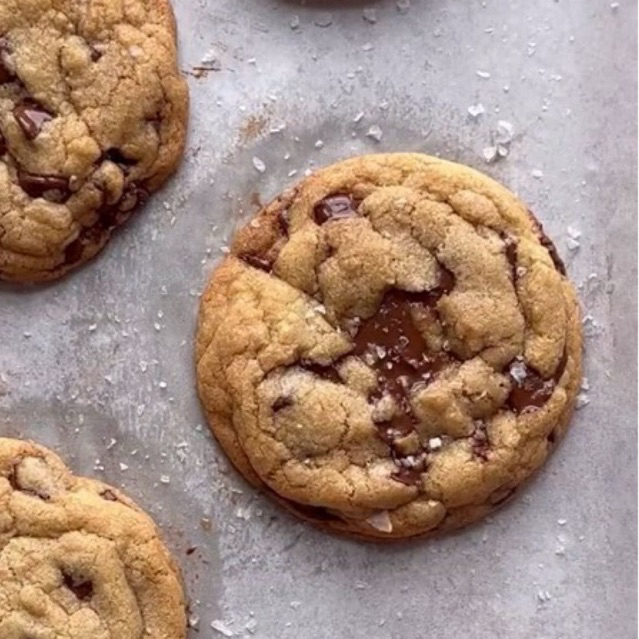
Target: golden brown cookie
column 93, row 115
column 391, row 348
column 78, row 559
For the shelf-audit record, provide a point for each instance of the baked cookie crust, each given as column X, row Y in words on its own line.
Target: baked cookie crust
column 391, row 348
column 78, row 559
column 93, row 116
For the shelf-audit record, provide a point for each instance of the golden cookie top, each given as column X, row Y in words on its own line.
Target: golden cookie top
column 78, row 559
column 392, row 338
column 92, row 119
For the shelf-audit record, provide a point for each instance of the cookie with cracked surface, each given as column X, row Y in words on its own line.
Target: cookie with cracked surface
column 78, row 559
column 93, row 114
column 391, row 348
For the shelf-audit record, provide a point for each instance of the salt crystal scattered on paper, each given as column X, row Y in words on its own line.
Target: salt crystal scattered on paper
column 375, row 133
column 489, row 153
column 259, row 165
column 370, row 15
column 324, row 20
column 475, row 110
column 483, row 74
column 222, row 628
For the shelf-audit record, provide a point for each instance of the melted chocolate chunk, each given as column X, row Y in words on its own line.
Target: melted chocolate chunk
column 552, row 436
column 479, row 441
column 410, row 468
column 510, row 250
column 3, row 144
column 393, row 343
column 109, row 495
column 31, row 117
column 258, row 262
column 73, row 252
column 5, row 74
column 281, row 403
column 115, row 155
column 81, row 588
column 95, row 54
column 530, row 390
column 134, row 196
column 336, row 207
column 52, row 187
column 316, row 512
column 284, row 221
column 547, row 243
column 328, row 373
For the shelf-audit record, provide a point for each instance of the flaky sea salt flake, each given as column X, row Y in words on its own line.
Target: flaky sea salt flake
column 370, row 15
column 489, row 153
column 475, row 110
column 219, row 626
column 381, row 521
column 259, row 165
column 324, row 20
column 375, row 133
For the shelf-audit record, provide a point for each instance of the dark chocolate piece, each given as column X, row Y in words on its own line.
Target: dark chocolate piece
column 31, row 117
column 52, row 187
column 547, row 243
column 335, row 207
column 258, row 262
column 115, row 155
column 81, row 588
column 5, row 74
column 529, row 389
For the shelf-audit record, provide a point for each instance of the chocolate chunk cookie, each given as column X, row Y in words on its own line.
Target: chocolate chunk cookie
column 78, row 559
column 391, row 348
column 93, row 116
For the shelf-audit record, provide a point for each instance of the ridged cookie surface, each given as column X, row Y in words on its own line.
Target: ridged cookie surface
column 391, row 348
column 78, row 559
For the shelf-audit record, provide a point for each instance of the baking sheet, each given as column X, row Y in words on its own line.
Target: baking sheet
column 99, row 366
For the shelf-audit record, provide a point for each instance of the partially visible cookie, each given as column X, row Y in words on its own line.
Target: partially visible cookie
column 391, row 348
column 78, row 559
column 93, row 115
